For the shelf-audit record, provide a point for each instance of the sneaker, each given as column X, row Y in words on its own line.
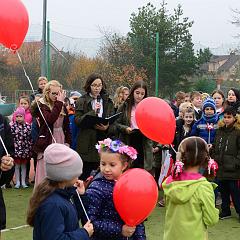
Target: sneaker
column 223, row 216
column 8, row 185
column 17, row 186
column 25, row 186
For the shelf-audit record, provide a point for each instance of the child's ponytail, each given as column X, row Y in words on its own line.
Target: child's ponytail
column 42, row 191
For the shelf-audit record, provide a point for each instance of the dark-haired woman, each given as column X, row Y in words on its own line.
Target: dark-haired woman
column 129, row 131
column 233, row 99
column 94, row 102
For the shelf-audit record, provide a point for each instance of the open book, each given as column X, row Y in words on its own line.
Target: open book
column 89, row 121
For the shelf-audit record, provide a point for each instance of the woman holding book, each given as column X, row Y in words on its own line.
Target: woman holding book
column 95, row 102
column 129, row 132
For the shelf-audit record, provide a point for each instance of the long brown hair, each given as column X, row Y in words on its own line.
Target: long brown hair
column 42, row 191
column 130, row 99
column 193, row 152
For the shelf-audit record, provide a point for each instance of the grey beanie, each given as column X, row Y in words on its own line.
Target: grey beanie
column 62, row 163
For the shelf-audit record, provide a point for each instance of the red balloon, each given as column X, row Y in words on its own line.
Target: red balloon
column 14, row 23
column 156, row 120
column 135, row 195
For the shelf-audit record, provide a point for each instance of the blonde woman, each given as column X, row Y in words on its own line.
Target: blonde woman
column 120, row 96
column 183, row 107
column 54, row 119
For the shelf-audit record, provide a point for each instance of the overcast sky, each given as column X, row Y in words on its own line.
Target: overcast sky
column 82, row 18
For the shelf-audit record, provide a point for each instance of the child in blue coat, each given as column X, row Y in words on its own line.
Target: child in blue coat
column 115, row 158
column 207, row 125
column 54, row 209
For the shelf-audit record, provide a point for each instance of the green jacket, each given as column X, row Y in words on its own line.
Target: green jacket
column 226, row 151
column 190, row 209
column 88, row 137
column 122, row 123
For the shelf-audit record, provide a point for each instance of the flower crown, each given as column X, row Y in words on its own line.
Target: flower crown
column 116, row 147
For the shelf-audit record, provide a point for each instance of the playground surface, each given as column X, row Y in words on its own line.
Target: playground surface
column 17, row 202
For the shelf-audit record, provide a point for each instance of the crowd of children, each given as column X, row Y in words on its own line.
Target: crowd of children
column 206, row 127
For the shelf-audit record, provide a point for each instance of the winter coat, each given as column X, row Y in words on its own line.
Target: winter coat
column 44, row 137
column 180, row 133
column 122, row 123
column 200, row 129
column 226, row 151
column 22, row 140
column 88, row 137
column 235, row 105
column 190, row 207
column 74, row 131
column 105, row 219
column 58, row 217
column 5, row 176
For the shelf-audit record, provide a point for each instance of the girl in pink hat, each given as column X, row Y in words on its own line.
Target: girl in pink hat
column 21, row 132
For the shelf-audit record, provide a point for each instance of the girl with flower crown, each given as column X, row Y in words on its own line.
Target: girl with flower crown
column 115, row 158
column 129, row 131
column 189, row 196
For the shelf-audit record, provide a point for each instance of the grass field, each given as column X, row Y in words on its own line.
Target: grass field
column 17, row 201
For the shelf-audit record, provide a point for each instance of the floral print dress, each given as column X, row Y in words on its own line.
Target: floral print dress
column 22, row 142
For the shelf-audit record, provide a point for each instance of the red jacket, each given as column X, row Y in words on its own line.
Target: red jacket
column 51, row 116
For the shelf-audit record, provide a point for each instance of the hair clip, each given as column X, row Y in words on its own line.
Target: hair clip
column 212, row 166
column 178, row 168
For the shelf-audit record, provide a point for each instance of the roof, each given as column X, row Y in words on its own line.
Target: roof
column 232, row 61
column 227, row 62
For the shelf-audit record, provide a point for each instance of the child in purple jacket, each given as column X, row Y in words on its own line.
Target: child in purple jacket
column 115, row 158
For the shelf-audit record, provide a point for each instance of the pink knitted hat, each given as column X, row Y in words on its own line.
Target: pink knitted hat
column 20, row 111
column 62, row 163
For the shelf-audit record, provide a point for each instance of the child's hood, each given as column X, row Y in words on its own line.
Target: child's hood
column 181, row 191
column 236, row 124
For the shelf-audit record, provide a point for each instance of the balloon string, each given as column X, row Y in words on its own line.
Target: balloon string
column 25, row 73
column 80, row 200
column 4, row 146
column 173, row 148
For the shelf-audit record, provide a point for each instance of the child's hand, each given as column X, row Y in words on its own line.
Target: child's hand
column 80, row 187
column 6, row 163
column 128, row 231
column 128, row 130
column 89, row 228
column 156, row 149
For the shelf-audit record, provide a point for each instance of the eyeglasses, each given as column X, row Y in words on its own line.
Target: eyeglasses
column 96, row 85
column 54, row 93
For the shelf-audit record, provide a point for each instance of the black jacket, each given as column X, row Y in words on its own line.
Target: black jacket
column 226, row 151
column 5, row 132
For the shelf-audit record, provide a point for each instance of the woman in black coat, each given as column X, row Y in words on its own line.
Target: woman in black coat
column 6, row 167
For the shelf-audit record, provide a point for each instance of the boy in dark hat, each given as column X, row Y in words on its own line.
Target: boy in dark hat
column 226, row 151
